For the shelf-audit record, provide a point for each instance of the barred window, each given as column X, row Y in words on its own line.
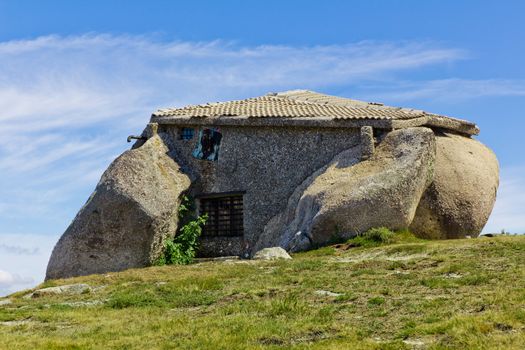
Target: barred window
column 225, row 214
column 186, row 133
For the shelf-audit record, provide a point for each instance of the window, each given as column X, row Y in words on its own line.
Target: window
column 225, row 215
column 207, row 147
column 186, row 134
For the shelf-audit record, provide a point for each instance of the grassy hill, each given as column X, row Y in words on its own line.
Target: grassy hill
column 456, row 294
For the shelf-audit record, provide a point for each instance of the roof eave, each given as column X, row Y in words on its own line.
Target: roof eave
column 322, row 122
column 456, row 125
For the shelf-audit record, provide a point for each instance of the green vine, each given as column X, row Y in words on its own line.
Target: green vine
column 182, row 248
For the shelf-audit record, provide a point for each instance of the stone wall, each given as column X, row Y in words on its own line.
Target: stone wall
column 220, row 246
column 266, row 162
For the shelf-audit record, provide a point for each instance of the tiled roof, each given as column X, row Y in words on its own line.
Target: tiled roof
column 289, row 104
column 307, row 105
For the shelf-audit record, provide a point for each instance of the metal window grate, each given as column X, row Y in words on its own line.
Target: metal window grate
column 225, row 215
column 186, row 133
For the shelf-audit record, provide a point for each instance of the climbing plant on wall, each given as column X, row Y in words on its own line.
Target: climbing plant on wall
column 182, row 248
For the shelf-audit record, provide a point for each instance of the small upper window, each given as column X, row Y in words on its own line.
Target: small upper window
column 186, row 134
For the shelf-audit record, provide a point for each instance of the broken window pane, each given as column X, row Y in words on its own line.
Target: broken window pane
column 208, row 144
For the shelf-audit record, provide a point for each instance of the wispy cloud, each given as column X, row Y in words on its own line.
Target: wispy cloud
column 449, row 90
column 18, row 250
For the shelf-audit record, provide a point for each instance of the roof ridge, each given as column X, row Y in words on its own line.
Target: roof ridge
column 308, row 95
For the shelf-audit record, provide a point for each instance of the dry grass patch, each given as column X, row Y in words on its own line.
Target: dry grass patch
column 458, row 294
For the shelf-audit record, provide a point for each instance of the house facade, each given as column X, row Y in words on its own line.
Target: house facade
column 267, row 146
column 295, row 169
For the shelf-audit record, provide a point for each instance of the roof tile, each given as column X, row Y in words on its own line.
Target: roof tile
column 303, row 104
column 287, row 105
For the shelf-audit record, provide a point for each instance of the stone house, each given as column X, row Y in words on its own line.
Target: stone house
column 294, row 169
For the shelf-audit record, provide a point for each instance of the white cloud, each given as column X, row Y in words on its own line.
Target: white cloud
column 509, row 211
column 449, row 90
column 7, row 279
column 23, row 260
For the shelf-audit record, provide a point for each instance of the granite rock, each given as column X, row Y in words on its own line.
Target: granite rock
column 348, row 197
column 460, row 199
column 71, row 289
column 124, row 223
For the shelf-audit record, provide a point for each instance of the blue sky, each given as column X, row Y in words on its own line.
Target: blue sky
column 77, row 77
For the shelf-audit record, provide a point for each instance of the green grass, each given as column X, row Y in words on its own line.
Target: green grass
column 457, row 294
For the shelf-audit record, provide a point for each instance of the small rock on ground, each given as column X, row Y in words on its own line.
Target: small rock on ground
column 15, row 323
column 272, row 254
column 78, row 288
column 83, row 303
column 415, row 343
column 327, row 293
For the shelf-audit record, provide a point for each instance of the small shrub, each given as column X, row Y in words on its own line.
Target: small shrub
column 379, row 235
column 181, row 249
column 374, row 237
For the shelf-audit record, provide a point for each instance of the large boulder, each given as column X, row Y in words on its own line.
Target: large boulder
column 460, row 199
column 124, row 223
column 347, row 197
